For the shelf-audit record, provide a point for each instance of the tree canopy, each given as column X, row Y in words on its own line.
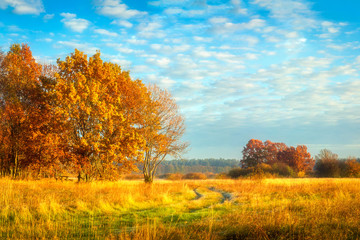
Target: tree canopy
column 257, row 152
column 85, row 116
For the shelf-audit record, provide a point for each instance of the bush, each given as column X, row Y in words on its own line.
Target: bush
column 283, row 170
column 222, row 176
column 264, row 170
column 172, row 176
column 134, row 176
column 210, row 175
column 328, row 168
column 239, row 172
column 352, row 168
column 195, row 176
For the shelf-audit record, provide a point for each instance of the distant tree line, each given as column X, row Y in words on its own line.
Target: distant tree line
column 196, row 165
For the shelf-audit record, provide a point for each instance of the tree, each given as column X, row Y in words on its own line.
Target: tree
column 163, row 129
column 100, row 106
column 327, row 164
column 297, row 158
column 254, row 153
column 352, row 167
column 23, row 110
column 272, row 150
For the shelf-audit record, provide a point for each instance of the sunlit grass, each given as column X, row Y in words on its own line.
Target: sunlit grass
column 212, row 209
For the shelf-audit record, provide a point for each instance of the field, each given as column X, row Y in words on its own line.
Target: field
column 209, row 209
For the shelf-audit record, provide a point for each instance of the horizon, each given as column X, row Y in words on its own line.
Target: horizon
column 279, row 70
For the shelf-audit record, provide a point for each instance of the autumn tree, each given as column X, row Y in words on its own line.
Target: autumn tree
column 101, row 108
column 298, row 158
column 256, row 152
column 22, row 108
column 272, row 150
column 352, row 167
column 48, row 155
column 163, row 129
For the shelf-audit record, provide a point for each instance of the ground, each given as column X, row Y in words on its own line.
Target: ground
column 208, row 209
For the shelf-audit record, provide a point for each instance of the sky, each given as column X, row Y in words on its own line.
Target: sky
column 279, row 70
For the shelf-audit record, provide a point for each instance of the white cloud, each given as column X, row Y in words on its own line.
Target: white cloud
column 202, row 53
column 237, row 7
column 292, row 35
column 161, row 81
column 333, row 30
column 75, row 24
column 295, row 11
column 251, row 56
column 184, row 13
column 45, row 40
column 136, row 41
column 116, row 9
column 251, row 40
column 124, row 49
column 217, row 20
column 151, row 29
column 160, row 62
column 173, row 11
column 22, row 7
column 123, row 23
column 169, row 2
column 125, row 64
column 48, row 17
column 202, row 39
column 229, row 27
column 105, row 32
column 85, row 47
column 14, row 28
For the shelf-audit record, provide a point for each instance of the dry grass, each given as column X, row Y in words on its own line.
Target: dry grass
column 217, row 209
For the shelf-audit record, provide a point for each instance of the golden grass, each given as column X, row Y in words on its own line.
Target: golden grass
column 217, row 209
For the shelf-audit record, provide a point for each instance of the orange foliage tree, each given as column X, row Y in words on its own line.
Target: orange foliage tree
column 163, row 129
column 352, row 167
column 101, row 107
column 298, row 158
column 23, row 110
column 256, row 152
column 83, row 115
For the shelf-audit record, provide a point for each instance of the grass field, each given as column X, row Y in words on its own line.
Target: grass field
column 209, row 209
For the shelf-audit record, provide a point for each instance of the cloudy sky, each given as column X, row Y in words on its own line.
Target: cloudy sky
column 283, row 70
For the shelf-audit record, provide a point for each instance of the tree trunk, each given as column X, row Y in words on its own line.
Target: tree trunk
column 148, row 178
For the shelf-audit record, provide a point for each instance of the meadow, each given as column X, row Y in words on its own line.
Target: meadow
column 185, row 209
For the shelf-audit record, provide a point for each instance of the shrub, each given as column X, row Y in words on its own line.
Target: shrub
column 172, row 176
column 222, row 176
column 282, row 169
column 134, row 176
column 327, row 168
column 195, row 176
column 239, row 172
column 210, row 175
column 352, row 168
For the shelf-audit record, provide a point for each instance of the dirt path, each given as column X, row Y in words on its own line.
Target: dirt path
column 198, row 195
column 227, row 196
column 210, row 196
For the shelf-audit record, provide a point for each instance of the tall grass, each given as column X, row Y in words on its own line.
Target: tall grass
column 212, row 209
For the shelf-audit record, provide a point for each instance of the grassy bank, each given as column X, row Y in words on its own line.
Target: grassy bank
column 211, row 209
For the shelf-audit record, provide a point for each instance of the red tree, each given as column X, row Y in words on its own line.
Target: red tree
column 298, row 158
column 256, row 152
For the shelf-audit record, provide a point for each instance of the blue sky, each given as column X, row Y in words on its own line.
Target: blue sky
column 283, row 70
